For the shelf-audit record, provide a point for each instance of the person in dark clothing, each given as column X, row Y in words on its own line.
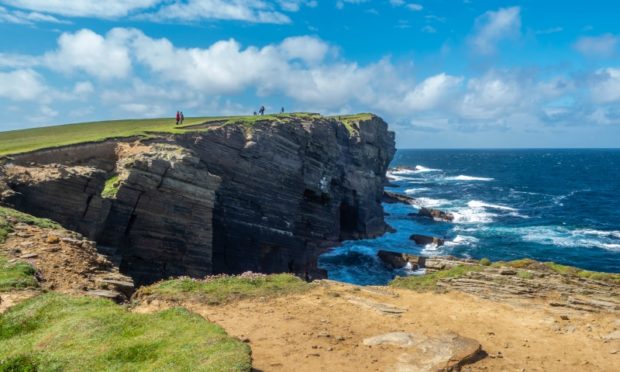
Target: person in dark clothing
column 178, row 117
column 282, row 110
column 182, row 117
column 261, row 111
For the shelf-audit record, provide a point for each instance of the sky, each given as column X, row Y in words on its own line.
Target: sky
column 443, row 74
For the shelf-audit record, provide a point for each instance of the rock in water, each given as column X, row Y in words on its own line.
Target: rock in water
column 424, row 240
column 436, row 214
column 392, row 198
column 397, row 260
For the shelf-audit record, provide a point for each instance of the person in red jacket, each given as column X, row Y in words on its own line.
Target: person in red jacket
column 178, row 117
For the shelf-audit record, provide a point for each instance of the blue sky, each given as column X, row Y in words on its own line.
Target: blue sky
column 443, row 73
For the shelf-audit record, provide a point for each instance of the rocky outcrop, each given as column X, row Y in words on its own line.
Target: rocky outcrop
column 435, row 214
column 424, row 240
column 393, row 198
column 267, row 197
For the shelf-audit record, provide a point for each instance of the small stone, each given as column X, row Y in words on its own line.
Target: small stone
column 52, row 239
column 329, row 348
column 564, row 317
column 29, row 256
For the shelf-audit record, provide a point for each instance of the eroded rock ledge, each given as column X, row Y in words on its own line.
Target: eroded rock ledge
column 267, row 197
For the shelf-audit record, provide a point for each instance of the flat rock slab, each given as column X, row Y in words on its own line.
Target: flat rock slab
column 446, row 352
column 380, row 307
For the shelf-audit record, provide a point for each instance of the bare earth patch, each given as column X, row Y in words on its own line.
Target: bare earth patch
column 325, row 328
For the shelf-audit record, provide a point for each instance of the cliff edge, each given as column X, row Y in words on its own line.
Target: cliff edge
column 228, row 196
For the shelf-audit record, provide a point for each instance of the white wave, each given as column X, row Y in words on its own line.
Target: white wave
column 422, row 169
column 481, row 204
column 430, row 203
column 562, row 237
column 431, row 250
column 602, row 233
column 394, row 177
column 469, row 178
column 472, row 215
column 462, row 240
column 416, row 190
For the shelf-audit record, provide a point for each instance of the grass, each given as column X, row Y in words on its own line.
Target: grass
column 55, row 332
column 429, row 281
column 585, row 274
column 15, row 276
column 223, row 289
column 111, row 187
column 7, row 214
column 351, row 121
column 18, row 275
column 20, row 141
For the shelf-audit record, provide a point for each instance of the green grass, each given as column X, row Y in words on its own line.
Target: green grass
column 585, row 274
column 15, row 276
column 54, row 332
column 220, row 290
column 8, row 213
column 429, row 281
column 351, row 121
column 19, row 141
column 485, row 262
column 111, row 187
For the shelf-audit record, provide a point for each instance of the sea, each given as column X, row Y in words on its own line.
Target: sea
column 550, row 205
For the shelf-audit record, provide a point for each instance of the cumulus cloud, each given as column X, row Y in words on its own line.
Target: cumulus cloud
column 21, row 85
column 605, row 85
column 494, row 26
column 103, row 57
column 597, row 46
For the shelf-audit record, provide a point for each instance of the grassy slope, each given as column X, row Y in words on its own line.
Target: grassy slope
column 224, row 289
column 17, row 275
column 429, row 281
column 19, row 141
column 60, row 332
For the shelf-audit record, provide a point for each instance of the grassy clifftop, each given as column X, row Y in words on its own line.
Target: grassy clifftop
column 20, row 141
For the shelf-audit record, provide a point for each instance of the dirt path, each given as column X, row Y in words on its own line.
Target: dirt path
column 324, row 329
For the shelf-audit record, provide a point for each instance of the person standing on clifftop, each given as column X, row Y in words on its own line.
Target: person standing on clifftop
column 282, row 110
column 262, row 110
column 178, row 117
column 182, row 117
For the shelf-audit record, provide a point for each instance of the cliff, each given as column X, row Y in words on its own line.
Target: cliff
column 262, row 195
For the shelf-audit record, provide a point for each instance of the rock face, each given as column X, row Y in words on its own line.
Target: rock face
column 266, row 198
column 397, row 260
column 392, row 198
column 424, row 240
column 436, row 214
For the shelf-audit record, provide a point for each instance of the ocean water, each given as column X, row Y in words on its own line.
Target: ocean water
column 550, row 205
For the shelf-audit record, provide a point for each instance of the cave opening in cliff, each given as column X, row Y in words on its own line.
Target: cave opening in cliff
column 348, row 219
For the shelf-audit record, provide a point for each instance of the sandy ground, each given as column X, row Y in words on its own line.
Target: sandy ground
column 323, row 330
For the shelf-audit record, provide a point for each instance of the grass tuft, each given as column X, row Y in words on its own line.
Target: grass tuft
column 428, row 282
column 223, row 289
column 111, row 187
column 17, row 275
column 61, row 332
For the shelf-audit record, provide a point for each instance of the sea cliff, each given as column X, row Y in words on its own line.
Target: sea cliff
column 264, row 195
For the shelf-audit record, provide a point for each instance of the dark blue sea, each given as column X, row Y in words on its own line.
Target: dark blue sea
column 549, row 205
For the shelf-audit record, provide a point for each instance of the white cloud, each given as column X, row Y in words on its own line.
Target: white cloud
column 432, row 92
column 239, row 10
column 85, row 50
column 495, row 26
column 25, row 18
column 605, row 85
column 597, row 46
column 83, row 88
column 411, row 6
column 21, row 85
column 309, row 49
column 84, row 8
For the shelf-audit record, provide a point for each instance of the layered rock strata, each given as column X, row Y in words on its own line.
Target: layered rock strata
column 267, row 197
